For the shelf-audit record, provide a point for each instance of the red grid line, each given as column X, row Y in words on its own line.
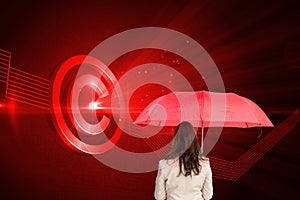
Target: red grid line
column 260, row 149
column 19, row 98
column 42, row 79
column 4, row 60
column 4, row 68
column 8, row 70
column 3, row 80
column 27, row 94
column 33, row 78
column 229, row 166
column 3, row 74
column 4, row 51
column 22, row 80
column 24, row 85
column 4, row 64
column 222, row 172
column 228, row 175
column 219, row 160
column 28, row 103
column 222, row 169
column 15, row 74
column 4, row 77
column 220, row 164
column 30, row 91
column 4, row 55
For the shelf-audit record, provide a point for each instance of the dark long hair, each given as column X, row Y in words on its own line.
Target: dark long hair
column 185, row 145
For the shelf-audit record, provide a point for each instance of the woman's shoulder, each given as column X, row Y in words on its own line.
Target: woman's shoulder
column 167, row 162
column 204, row 160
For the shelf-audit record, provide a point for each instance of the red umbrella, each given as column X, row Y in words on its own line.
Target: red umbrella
column 204, row 109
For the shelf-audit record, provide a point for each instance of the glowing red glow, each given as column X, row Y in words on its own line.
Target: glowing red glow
column 73, row 108
column 22, row 86
column 36, row 94
column 93, row 106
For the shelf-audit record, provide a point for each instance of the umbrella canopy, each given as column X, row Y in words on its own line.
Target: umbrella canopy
column 204, row 109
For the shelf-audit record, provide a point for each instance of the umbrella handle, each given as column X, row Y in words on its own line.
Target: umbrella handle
column 202, row 133
column 260, row 134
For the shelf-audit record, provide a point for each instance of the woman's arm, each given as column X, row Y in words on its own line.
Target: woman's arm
column 160, row 187
column 207, row 189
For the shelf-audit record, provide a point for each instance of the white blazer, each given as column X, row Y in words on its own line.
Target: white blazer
column 170, row 186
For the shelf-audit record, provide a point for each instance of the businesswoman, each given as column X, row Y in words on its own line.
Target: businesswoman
column 184, row 174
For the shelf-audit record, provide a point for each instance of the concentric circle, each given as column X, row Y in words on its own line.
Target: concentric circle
column 67, row 108
column 162, row 39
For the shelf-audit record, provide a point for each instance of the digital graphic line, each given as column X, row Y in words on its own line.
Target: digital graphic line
column 4, row 57
column 27, row 82
column 8, row 55
column 5, row 52
column 12, row 82
column 222, row 175
column 2, row 53
column 4, row 68
column 221, row 170
column 12, row 73
column 24, row 87
column 13, row 91
column 4, row 60
column 29, row 75
column 273, row 137
column 38, row 77
column 30, row 91
column 4, row 64
column 27, row 101
column 247, row 163
column 2, row 79
column 28, row 95
column 222, row 162
column 3, row 73
column 260, row 149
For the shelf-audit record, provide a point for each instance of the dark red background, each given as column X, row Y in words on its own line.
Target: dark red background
column 255, row 44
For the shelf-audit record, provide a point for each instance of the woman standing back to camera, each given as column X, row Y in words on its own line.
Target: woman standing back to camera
column 184, row 173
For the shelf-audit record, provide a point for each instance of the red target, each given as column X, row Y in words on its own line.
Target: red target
column 81, row 92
